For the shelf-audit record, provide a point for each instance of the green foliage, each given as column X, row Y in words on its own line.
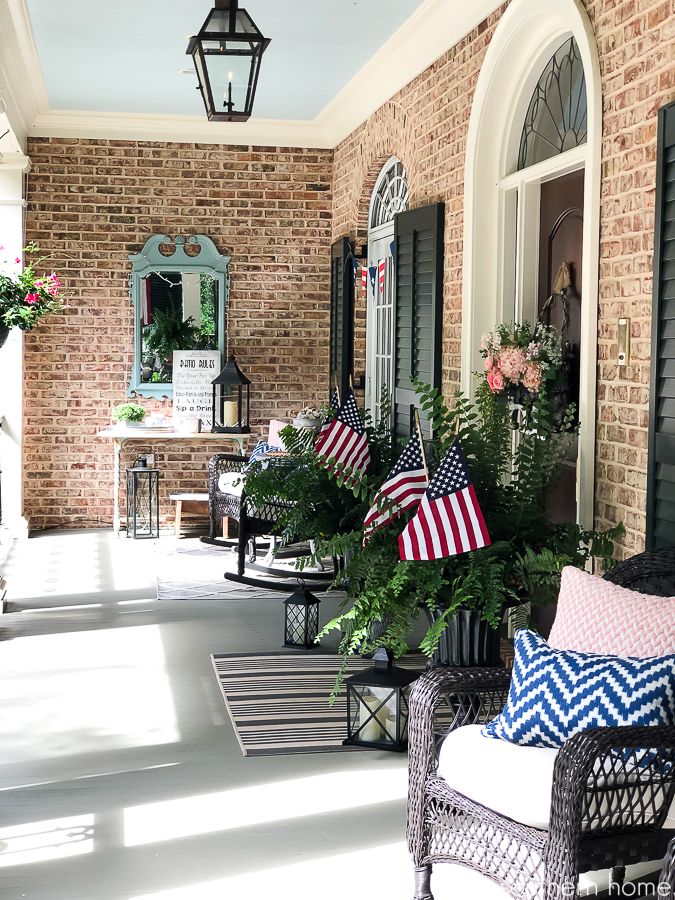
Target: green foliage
column 514, row 461
column 170, row 332
column 129, row 412
column 27, row 297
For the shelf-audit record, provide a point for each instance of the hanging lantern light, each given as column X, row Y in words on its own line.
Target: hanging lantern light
column 301, row 619
column 231, row 401
column 377, row 705
column 227, row 53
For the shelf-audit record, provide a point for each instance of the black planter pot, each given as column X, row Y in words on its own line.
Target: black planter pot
column 467, row 640
column 4, row 334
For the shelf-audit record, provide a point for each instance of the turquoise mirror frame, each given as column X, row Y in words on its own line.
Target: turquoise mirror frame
column 150, row 260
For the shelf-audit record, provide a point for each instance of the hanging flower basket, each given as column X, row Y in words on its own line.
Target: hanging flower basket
column 27, row 297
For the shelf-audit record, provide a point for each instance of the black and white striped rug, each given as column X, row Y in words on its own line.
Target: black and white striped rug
column 278, row 702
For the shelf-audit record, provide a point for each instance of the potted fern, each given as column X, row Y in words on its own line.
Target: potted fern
column 169, row 332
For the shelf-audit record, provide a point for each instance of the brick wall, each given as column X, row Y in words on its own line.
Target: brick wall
column 426, row 124
column 91, row 204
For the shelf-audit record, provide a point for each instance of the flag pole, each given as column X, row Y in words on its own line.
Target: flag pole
column 419, row 432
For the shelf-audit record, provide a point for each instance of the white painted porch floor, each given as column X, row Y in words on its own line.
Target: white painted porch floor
column 120, row 775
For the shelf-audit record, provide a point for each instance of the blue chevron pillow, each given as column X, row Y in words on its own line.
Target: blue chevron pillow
column 556, row 693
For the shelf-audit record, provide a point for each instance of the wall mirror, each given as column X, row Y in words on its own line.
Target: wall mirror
column 179, row 288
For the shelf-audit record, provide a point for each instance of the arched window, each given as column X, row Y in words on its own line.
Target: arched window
column 390, row 195
column 556, row 118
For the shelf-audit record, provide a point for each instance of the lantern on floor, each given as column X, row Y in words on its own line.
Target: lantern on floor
column 142, row 501
column 301, row 619
column 377, row 705
column 227, row 53
column 231, row 401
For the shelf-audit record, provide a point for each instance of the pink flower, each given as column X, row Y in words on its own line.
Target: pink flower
column 512, row 362
column 489, row 363
column 32, row 299
column 496, row 381
column 532, row 377
column 17, row 260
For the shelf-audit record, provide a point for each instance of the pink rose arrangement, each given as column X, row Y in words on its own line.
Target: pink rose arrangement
column 518, row 357
column 26, row 298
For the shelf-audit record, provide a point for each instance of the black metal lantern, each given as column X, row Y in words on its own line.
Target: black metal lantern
column 377, row 705
column 227, row 53
column 301, row 619
column 231, row 401
column 142, row 502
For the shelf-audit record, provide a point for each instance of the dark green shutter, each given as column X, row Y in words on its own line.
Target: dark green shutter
column 661, row 460
column 341, row 317
column 418, row 267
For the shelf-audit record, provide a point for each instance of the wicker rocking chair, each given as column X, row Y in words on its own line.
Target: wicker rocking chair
column 610, row 798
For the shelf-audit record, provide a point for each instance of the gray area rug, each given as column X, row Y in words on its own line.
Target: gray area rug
column 278, row 702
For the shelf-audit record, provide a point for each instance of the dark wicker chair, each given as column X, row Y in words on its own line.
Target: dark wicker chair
column 253, row 521
column 223, row 505
column 602, row 815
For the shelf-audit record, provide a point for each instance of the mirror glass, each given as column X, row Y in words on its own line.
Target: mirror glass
column 178, row 311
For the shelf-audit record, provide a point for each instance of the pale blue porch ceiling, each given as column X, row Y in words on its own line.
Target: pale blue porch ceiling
column 125, row 56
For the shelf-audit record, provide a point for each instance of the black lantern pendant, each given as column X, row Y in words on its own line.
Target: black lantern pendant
column 377, row 705
column 227, row 53
column 231, row 401
column 301, row 619
column 142, row 501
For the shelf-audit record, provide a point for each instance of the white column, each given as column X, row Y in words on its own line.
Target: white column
column 12, row 215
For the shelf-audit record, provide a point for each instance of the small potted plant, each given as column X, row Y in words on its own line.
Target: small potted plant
column 130, row 414
column 308, row 417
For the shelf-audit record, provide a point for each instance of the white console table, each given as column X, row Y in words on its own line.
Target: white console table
column 120, row 435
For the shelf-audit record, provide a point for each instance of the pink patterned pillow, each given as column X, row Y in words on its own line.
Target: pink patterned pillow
column 596, row 616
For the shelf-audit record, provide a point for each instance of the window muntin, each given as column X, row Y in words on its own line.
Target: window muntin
column 390, row 195
column 556, row 119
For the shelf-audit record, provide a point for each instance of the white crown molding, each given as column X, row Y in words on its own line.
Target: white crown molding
column 22, row 84
column 436, row 26
column 185, row 129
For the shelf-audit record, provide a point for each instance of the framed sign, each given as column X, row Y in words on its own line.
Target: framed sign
column 193, row 372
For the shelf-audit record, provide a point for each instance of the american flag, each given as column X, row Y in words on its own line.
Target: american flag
column 345, row 440
column 364, row 281
column 402, row 489
column 382, row 267
column 334, row 404
column 448, row 520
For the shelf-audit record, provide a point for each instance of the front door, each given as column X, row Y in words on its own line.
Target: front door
column 560, row 243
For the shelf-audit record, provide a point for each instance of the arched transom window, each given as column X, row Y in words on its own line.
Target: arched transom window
column 556, row 118
column 391, row 195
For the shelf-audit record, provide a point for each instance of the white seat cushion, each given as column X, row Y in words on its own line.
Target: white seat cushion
column 231, row 483
column 512, row 780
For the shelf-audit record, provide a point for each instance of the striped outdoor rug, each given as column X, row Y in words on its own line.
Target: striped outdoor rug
column 278, row 702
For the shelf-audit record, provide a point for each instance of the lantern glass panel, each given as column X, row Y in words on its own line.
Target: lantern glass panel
column 143, row 503
column 373, row 713
column 219, row 68
column 302, row 624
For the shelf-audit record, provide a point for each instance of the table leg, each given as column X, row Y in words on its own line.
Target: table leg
column 179, row 513
column 116, row 488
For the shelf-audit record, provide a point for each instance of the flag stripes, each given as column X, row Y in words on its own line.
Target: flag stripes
column 449, row 520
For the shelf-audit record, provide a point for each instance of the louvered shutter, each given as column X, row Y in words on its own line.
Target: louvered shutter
column 661, row 464
column 418, row 315
column 341, row 317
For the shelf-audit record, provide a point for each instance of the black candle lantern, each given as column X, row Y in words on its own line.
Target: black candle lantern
column 142, row 502
column 377, row 705
column 301, row 619
column 227, row 53
column 231, row 401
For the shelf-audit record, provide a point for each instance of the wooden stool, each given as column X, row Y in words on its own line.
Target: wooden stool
column 193, row 503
